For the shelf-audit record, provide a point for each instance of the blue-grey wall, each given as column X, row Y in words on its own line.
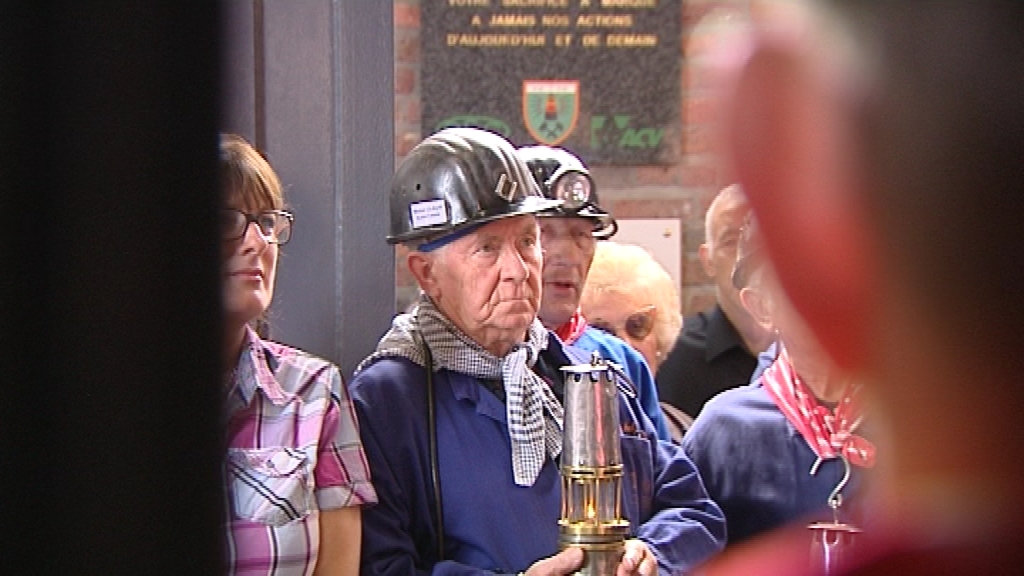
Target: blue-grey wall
column 311, row 83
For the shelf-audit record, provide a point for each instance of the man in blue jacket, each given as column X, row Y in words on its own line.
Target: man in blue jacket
column 460, row 409
column 790, row 445
column 569, row 235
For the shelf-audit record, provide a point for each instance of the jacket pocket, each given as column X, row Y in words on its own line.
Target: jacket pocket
column 270, row 485
column 637, row 480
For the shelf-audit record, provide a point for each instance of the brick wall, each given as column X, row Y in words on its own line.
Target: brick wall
column 681, row 190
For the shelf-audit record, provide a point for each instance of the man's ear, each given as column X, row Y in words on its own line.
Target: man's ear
column 422, row 268
column 706, row 261
column 756, row 303
column 790, row 138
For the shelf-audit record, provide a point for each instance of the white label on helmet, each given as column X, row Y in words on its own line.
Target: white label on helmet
column 428, row 213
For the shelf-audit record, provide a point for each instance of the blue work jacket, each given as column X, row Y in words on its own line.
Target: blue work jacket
column 757, row 466
column 613, row 348
column 490, row 524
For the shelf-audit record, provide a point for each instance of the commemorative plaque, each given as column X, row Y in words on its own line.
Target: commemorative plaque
column 600, row 77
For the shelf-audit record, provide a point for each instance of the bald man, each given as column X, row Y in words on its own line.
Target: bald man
column 718, row 347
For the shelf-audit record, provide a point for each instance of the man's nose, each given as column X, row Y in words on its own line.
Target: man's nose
column 513, row 266
column 558, row 250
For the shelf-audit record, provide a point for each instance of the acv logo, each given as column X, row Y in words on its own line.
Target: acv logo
column 475, row 121
column 619, row 133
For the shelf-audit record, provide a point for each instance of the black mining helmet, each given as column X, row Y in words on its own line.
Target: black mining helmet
column 563, row 176
column 457, row 179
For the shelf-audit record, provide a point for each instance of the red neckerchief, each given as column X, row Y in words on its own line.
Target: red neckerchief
column 572, row 329
column 830, row 434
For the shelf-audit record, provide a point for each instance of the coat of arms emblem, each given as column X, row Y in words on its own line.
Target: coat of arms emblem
column 550, row 109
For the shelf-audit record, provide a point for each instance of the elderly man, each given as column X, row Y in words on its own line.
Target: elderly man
column 718, row 347
column 460, row 409
column 879, row 144
column 568, row 236
column 789, row 445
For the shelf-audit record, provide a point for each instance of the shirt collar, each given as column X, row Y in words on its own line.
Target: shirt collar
column 721, row 334
column 256, row 367
column 573, row 328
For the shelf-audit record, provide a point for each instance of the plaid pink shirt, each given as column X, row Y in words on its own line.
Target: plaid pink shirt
column 293, row 450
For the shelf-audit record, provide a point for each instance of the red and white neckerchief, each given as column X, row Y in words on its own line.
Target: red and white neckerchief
column 572, row 329
column 829, row 433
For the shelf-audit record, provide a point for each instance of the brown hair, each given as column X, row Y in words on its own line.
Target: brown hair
column 247, row 175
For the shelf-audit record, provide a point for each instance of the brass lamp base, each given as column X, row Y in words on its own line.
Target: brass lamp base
column 603, row 545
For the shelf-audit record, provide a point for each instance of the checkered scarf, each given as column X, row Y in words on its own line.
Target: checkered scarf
column 533, row 413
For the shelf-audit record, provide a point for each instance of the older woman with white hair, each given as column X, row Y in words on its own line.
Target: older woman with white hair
column 629, row 294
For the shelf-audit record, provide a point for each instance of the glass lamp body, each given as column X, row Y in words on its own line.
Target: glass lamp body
column 591, row 469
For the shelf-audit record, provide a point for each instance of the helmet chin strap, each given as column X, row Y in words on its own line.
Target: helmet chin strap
column 447, row 238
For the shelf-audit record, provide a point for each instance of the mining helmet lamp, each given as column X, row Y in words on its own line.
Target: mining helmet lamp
column 573, row 188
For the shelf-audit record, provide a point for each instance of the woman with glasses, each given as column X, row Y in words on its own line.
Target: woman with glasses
column 295, row 473
column 629, row 294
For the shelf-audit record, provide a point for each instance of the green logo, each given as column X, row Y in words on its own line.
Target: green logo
column 619, row 133
column 475, row 121
column 550, row 108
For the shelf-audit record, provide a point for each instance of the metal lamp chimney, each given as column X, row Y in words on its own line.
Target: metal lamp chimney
column 591, row 468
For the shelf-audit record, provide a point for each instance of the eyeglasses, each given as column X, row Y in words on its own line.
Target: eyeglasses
column 274, row 225
column 637, row 325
